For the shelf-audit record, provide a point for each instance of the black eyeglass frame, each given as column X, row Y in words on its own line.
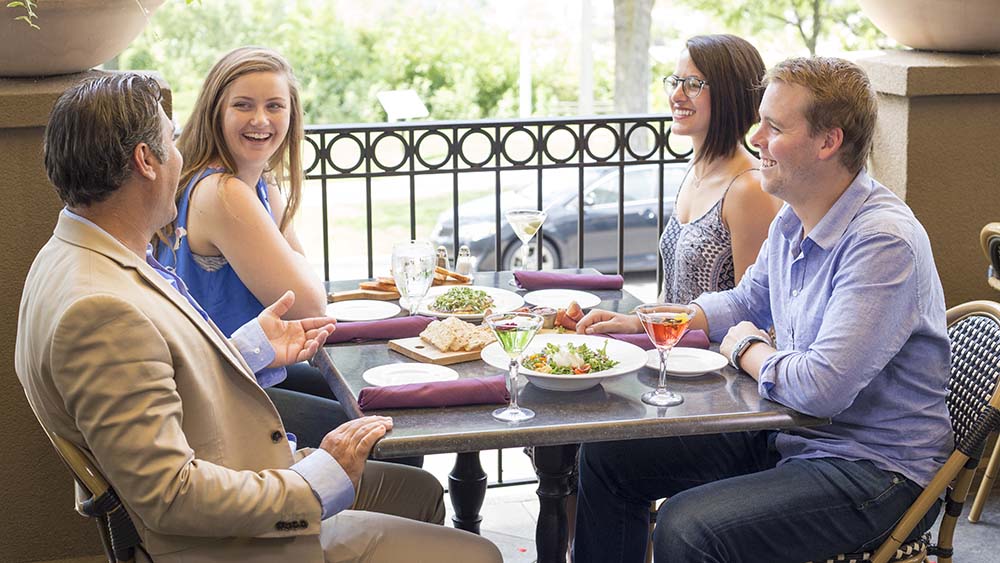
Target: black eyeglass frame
column 689, row 83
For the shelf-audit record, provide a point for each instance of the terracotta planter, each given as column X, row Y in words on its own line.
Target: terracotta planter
column 75, row 35
column 938, row 25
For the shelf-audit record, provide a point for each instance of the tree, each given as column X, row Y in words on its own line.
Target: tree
column 632, row 68
column 811, row 20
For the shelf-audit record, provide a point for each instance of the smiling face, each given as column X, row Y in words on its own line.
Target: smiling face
column 256, row 117
column 789, row 152
column 691, row 117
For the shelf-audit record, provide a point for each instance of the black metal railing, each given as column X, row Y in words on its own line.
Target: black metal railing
column 578, row 143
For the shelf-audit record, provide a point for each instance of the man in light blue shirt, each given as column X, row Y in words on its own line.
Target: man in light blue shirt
column 847, row 280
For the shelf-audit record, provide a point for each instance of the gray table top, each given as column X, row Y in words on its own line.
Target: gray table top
column 722, row 401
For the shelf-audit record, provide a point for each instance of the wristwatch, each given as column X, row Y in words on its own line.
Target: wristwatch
column 743, row 345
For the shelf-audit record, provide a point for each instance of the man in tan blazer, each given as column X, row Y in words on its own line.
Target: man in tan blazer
column 115, row 357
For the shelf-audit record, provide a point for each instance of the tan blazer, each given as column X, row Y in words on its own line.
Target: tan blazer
column 115, row 360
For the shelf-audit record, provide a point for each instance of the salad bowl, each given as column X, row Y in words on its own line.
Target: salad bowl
column 629, row 357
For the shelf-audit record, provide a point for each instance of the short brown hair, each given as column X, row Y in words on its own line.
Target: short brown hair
column 842, row 97
column 93, row 129
column 733, row 69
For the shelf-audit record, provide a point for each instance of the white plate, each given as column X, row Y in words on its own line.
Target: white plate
column 560, row 298
column 401, row 374
column 362, row 310
column 503, row 301
column 688, row 362
column 629, row 356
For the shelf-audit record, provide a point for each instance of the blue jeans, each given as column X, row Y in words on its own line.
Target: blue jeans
column 730, row 501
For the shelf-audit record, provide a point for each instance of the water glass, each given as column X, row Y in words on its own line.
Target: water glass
column 413, row 265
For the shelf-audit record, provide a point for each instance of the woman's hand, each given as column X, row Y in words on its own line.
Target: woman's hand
column 293, row 341
column 598, row 320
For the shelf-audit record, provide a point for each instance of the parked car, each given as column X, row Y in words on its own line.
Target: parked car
column 559, row 233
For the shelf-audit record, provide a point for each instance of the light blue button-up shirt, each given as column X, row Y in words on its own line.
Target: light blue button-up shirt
column 859, row 319
column 328, row 480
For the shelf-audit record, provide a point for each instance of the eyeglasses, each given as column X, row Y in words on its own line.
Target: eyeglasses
column 692, row 85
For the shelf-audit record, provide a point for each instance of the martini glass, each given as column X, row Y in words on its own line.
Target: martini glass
column 514, row 331
column 413, row 265
column 525, row 223
column 665, row 323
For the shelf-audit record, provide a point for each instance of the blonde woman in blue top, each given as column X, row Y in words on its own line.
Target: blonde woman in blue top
column 233, row 242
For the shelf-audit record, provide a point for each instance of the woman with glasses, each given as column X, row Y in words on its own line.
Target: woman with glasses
column 721, row 216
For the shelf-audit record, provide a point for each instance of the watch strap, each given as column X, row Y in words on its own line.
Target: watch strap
column 743, row 345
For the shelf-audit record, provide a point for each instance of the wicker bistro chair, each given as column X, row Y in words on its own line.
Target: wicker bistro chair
column 96, row 499
column 974, row 405
column 990, row 239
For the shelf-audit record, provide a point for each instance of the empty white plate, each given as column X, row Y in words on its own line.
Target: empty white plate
column 402, row 374
column 560, row 298
column 362, row 310
column 688, row 362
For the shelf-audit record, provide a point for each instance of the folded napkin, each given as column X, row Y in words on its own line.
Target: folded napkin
column 468, row 391
column 385, row 329
column 531, row 280
column 690, row 339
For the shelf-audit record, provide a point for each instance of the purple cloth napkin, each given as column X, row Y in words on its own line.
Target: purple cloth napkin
column 691, row 339
column 469, row 391
column 531, row 280
column 385, row 329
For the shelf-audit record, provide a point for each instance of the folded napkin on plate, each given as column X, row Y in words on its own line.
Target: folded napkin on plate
column 385, row 329
column 531, row 280
column 469, row 391
column 691, row 339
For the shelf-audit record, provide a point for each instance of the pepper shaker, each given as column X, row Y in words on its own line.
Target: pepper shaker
column 442, row 258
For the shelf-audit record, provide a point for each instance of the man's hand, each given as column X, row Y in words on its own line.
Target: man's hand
column 293, row 341
column 735, row 334
column 598, row 320
column 351, row 442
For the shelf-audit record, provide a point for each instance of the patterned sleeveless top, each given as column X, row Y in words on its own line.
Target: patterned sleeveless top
column 698, row 255
column 211, row 279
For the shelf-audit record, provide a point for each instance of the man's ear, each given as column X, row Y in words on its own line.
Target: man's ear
column 833, row 139
column 143, row 160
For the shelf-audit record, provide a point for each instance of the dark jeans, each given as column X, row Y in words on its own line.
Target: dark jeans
column 729, row 501
column 309, row 409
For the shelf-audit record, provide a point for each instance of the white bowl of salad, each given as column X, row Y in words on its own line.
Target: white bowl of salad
column 570, row 362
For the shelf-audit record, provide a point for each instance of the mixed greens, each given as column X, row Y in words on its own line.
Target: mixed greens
column 463, row 300
column 573, row 360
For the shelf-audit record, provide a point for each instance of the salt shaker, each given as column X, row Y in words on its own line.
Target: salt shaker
column 464, row 262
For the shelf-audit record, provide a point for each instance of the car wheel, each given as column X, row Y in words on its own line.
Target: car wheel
column 513, row 258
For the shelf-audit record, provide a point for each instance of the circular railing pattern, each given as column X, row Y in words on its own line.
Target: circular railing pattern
column 509, row 145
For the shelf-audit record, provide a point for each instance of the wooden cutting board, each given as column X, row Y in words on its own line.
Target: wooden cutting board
column 417, row 349
column 352, row 294
column 377, row 295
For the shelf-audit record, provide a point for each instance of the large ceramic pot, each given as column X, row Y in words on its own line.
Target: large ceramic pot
column 74, row 35
column 938, row 25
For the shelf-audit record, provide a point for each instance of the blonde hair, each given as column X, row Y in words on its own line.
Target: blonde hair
column 842, row 97
column 202, row 141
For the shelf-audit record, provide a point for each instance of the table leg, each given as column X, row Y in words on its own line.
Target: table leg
column 554, row 466
column 467, row 488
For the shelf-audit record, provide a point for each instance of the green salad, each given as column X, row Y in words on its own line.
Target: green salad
column 463, row 301
column 571, row 360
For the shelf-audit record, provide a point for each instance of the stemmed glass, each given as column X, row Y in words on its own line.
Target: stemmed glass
column 665, row 323
column 413, row 265
column 525, row 223
column 514, row 331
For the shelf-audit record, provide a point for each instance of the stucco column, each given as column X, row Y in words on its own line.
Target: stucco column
column 37, row 518
column 937, row 145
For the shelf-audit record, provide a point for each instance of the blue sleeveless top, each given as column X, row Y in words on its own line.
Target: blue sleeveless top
column 220, row 291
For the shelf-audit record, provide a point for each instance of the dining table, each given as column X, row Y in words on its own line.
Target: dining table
column 725, row 400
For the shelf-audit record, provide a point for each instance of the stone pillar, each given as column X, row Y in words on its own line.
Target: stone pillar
column 37, row 518
column 937, row 145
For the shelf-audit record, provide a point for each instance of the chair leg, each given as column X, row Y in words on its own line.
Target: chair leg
column 986, row 484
